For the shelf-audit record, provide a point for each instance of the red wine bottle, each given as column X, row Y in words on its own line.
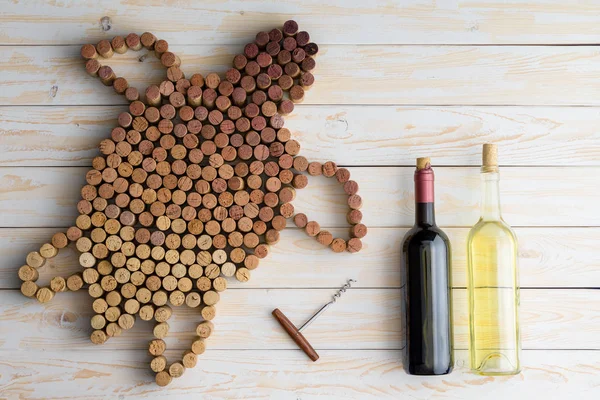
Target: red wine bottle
column 426, row 261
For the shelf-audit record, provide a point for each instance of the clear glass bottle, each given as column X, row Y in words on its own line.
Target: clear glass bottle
column 493, row 284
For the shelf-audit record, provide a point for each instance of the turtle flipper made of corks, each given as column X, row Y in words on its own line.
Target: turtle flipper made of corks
column 192, row 187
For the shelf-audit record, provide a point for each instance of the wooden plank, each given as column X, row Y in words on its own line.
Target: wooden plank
column 385, row 135
column 413, row 21
column 370, row 319
column 342, row 374
column 353, row 74
column 536, row 196
column 548, row 257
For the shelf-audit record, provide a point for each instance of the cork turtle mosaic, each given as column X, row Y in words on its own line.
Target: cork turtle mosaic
column 192, row 187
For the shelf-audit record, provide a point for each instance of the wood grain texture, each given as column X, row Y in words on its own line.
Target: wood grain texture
column 408, row 22
column 369, row 318
column 548, row 257
column 369, row 375
column 373, row 74
column 33, row 197
column 385, row 135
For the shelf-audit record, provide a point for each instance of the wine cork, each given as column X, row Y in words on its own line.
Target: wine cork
column 228, row 269
column 112, row 314
column 177, row 298
column 44, row 295
column 193, row 299
column 92, row 67
column 126, row 321
column 208, row 313
column 160, row 298
column 158, row 363
column 162, row 314
column 59, row 240
column 312, row 228
column 315, row 169
column 161, row 330
column 28, row 273
column 325, row 237
column 354, row 202
column 358, row 231
column 354, row 245
column 205, row 329
column 212, row 271
column 272, row 236
column 88, row 51
column 98, row 337
column 220, row 284
column 48, row 250
column 29, row 288
column 35, row 259
column 300, row 220
column 354, row 217
column 113, row 329
column 423, row 163
column 75, row 282
column 338, row 245
column 157, row 347
column 251, row 262
column 90, row 276
column 58, row 284
column 100, row 306
column 242, row 275
column 490, row 157
column 98, row 322
column 163, row 378
column 189, row 359
column 203, row 284
column 146, row 312
column 279, row 222
column 198, row 347
column 104, row 49
column 132, row 306
column 210, row 298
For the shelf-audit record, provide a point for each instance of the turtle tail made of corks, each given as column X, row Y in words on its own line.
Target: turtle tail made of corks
column 192, row 187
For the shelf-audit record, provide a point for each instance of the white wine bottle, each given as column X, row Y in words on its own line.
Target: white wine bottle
column 493, row 284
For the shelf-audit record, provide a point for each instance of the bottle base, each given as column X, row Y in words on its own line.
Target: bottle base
column 496, row 373
column 427, row 370
column 498, row 364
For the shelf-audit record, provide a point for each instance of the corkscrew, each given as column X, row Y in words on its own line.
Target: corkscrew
column 296, row 333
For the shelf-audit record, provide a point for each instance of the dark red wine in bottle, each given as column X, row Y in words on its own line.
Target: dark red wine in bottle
column 426, row 262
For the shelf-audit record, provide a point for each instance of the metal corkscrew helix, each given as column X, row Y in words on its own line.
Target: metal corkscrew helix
column 295, row 333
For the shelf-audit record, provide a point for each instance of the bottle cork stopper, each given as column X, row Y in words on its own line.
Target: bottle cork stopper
column 423, row 163
column 490, row 155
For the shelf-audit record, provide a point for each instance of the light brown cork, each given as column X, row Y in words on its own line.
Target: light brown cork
column 490, row 157
column 423, row 162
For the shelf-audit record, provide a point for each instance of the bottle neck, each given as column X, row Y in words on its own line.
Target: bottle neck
column 424, row 196
column 424, row 214
column 490, row 196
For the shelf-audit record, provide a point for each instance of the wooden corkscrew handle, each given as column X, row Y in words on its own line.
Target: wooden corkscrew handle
column 295, row 334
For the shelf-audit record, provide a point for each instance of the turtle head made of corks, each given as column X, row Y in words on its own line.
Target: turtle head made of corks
column 191, row 188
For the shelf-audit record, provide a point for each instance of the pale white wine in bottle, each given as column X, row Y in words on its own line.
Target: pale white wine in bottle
column 493, row 284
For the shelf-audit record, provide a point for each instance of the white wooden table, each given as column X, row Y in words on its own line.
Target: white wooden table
column 395, row 80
